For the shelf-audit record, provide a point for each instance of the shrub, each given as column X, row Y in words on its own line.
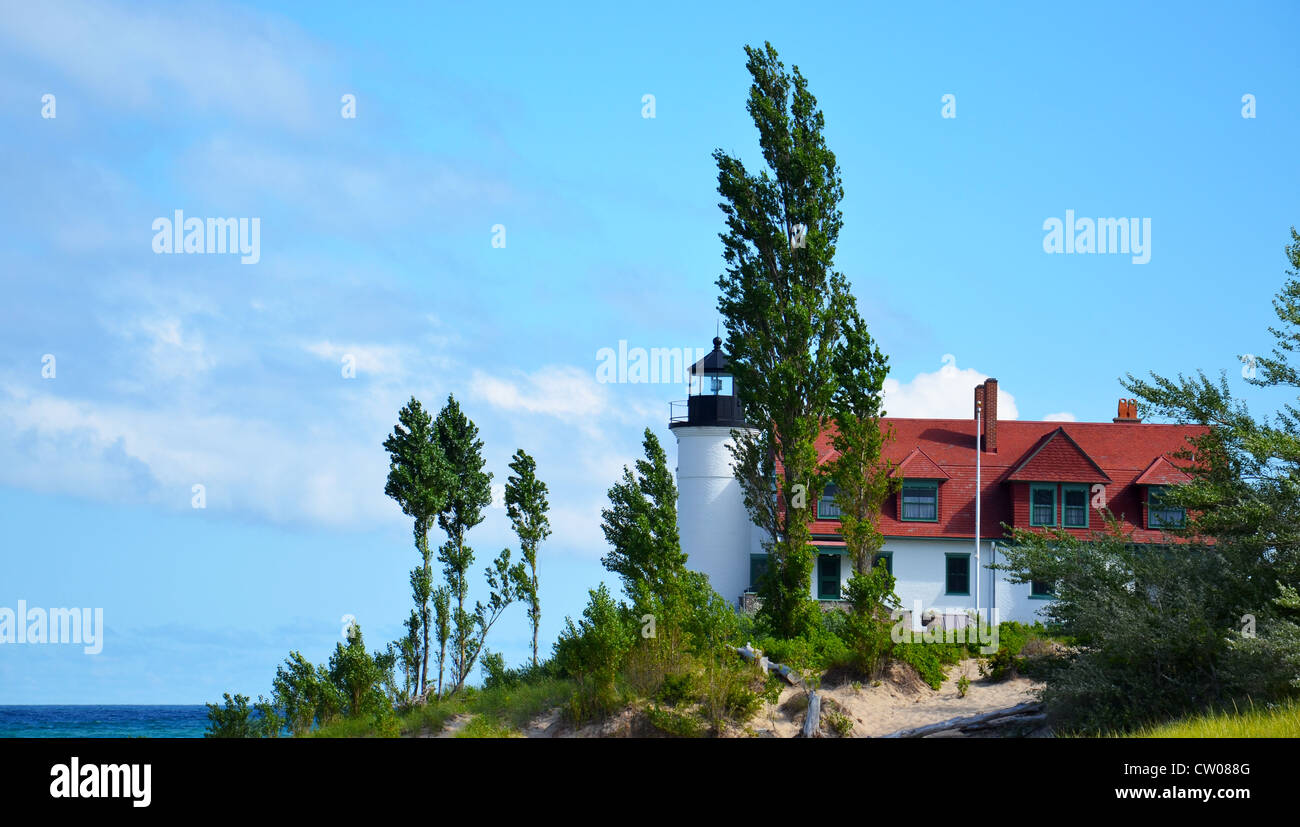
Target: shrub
column 672, row 722
column 675, row 688
column 592, row 654
column 838, row 722
column 237, row 720
column 929, row 659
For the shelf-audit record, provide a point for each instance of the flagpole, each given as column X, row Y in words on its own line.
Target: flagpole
column 979, row 416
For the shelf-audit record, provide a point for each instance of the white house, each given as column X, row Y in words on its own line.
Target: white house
column 1030, row 474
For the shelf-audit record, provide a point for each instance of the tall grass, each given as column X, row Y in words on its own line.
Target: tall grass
column 1275, row 720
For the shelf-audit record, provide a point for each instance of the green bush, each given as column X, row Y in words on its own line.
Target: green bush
column 592, row 654
column 237, row 720
column 929, row 659
column 675, row 689
column 677, row 724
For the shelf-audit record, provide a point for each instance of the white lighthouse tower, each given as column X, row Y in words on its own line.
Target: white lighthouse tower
column 716, row 532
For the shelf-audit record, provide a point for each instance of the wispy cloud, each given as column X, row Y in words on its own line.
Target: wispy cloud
column 222, row 59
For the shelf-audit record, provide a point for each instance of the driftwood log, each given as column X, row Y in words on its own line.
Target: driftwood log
column 1030, row 712
column 786, row 673
column 812, row 721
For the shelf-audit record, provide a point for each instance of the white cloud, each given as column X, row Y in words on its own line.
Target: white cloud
column 112, row 452
column 561, row 391
column 217, row 59
column 1062, row 416
column 947, row 393
column 379, row 360
column 175, row 353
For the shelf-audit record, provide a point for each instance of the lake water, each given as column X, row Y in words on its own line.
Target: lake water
column 103, row 721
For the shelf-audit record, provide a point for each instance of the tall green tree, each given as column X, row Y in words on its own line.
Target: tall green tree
column 467, row 497
column 419, row 479
column 861, row 477
column 527, row 506
column 641, row 524
column 785, row 310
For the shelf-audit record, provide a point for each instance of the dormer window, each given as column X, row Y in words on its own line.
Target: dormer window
column 920, row 501
column 827, row 508
column 1042, row 505
column 1074, row 511
column 1160, row 515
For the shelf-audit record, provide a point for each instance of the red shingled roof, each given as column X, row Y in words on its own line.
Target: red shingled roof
column 1114, row 454
column 1058, row 458
column 1162, row 472
column 918, row 466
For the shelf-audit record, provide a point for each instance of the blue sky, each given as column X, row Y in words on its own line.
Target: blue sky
column 376, row 243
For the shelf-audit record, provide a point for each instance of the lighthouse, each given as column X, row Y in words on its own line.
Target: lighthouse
column 716, row 532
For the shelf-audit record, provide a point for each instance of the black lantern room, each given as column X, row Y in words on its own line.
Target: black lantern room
column 712, row 398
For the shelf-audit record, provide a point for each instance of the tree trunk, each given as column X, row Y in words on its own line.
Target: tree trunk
column 537, row 615
column 424, row 621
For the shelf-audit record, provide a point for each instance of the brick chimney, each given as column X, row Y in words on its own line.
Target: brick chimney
column 991, row 416
column 1127, row 411
column 986, row 410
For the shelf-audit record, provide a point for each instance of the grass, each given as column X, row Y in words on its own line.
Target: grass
column 1277, row 720
column 498, row 713
column 481, row 727
column 515, row 706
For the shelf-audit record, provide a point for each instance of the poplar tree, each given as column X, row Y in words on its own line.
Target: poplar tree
column 467, row 497
column 527, row 506
column 641, row 525
column 419, row 479
column 786, row 311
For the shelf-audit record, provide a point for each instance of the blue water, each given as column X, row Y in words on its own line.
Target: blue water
column 103, row 721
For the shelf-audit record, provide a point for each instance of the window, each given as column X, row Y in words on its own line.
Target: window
column 757, row 568
column 920, row 501
column 826, row 506
column 1160, row 515
column 1074, row 511
column 1042, row 505
column 828, row 577
column 958, row 573
column 1041, row 588
column 886, row 559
